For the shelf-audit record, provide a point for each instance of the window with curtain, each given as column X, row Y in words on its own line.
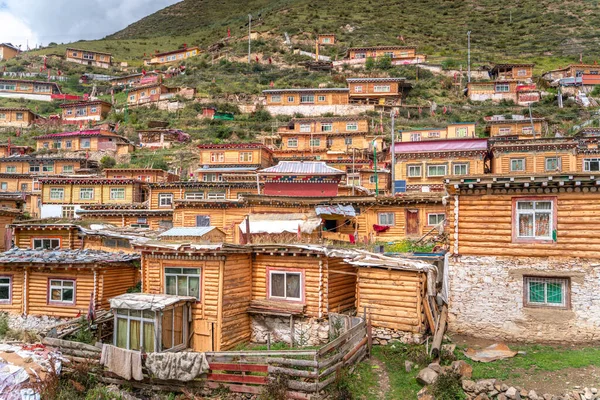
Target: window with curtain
column 135, row 330
column 285, row 285
column 534, row 219
column 182, row 281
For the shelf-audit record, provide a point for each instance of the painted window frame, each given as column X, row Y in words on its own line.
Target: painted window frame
column 461, row 164
column 45, row 239
column 194, row 195
column 165, row 199
column 142, row 319
column 216, row 196
column 586, row 164
column 430, row 175
column 217, row 157
column 113, row 194
column 558, row 161
column 436, row 215
column 89, row 193
column 57, row 193
column 181, row 274
column 386, row 219
column 516, row 237
column 410, row 168
column 305, row 128
column 62, row 288
column 286, row 272
column 9, row 286
column 512, row 166
column 565, row 283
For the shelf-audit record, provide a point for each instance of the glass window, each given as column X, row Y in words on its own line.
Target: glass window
column 358, row 89
column 436, row 170
column 552, row 163
column 517, row 165
column 217, row 157
column 326, row 127
column 67, row 169
column 194, row 195
column 307, row 98
column 86, row 143
column 86, row 194
column 34, row 168
column 19, row 116
column 546, row 292
column 214, row 177
column 351, row 126
column 47, row 168
column 68, row 144
column 591, row 164
column 182, row 281
column 292, row 142
column 4, row 185
column 68, row 212
column 62, row 291
column 135, row 330
column 246, row 156
column 117, row 193
column 502, row 88
column 414, row 171
column 305, row 128
column 534, row 219
column 216, row 196
column 5, row 289
column 23, row 187
column 415, row 137
column 435, row 218
column 315, row 142
column 57, row 144
column 165, row 200
column 386, row 219
column 373, row 179
column 285, row 285
column 348, row 141
column 275, row 98
column 57, row 193
column 290, row 99
column 202, row 220
column 460, row 169
column 45, row 243
column 321, row 98
column 381, row 88
column 461, row 132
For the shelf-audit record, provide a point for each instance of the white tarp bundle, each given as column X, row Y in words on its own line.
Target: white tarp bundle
column 280, row 223
column 146, row 301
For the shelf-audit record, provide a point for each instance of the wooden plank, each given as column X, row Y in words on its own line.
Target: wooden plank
column 439, row 332
column 292, row 372
column 337, row 342
column 428, row 313
column 293, row 362
column 257, row 380
column 235, row 388
column 238, row 367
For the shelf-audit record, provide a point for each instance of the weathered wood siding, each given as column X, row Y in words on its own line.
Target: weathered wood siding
column 69, row 238
column 535, row 162
column 341, row 286
column 15, row 306
column 237, row 294
column 113, row 282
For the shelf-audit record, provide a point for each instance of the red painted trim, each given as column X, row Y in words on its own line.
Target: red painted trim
column 302, row 283
column 10, row 289
column 61, row 303
column 514, row 221
column 200, row 287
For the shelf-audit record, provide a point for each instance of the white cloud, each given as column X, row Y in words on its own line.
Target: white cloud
column 64, row 21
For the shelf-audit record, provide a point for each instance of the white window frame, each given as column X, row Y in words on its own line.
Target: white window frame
column 462, row 132
column 292, row 142
column 534, row 212
column 143, row 320
column 57, row 193
column 86, row 143
column 177, row 275
column 381, row 88
column 502, row 88
column 86, row 193
column 45, row 243
column 373, row 179
column 217, row 157
column 305, row 128
column 165, row 199
column 513, row 165
column 504, row 130
column 429, row 167
column 461, row 165
column 68, row 169
column 307, row 99
column 415, row 137
column 410, row 171
column 587, row 163
column 11, row 169
column 527, row 130
column 115, row 194
column 286, row 273
column 352, row 126
column 565, row 291
column 315, row 142
column 246, row 156
column 4, row 185
column 59, row 284
column 7, row 285
column 433, row 134
column 275, row 98
column 321, row 98
column 194, row 195
column 216, row 195
column 358, row 89
column 433, row 219
column 327, row 127
column 348, row 141
column 386, row 219
column 68, row 212
column 291, row 99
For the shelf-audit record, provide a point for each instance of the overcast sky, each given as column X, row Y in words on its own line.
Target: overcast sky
column 63, row 21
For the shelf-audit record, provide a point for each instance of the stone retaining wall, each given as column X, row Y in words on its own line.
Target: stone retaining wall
column 317, row 110
column 487, row 299
column 383, row 336
column 307, row 331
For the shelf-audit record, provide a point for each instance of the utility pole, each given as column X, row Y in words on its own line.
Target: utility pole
column 468, row 56
column 393, row 152
column 353, row 172
column 375, row 166
column 249, row 34
column 531, row 121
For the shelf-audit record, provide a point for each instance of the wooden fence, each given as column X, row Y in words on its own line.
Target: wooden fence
column 306, row 372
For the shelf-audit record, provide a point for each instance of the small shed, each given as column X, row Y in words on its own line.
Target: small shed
column 199, row 234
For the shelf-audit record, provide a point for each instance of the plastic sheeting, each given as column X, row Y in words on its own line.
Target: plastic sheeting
column 280, row 223
column 144, row 301
column 346, row 211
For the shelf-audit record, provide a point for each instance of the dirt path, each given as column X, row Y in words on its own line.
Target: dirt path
column 383, row 379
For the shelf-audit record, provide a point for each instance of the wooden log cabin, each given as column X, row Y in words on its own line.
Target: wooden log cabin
column 162, row 195
column 520, row 72
column 162, row 138
column 292, row 178
column 531, row 241
column 311, row 102
column 516, row 127
column 88, row 57
column 382, row 91
column 150, row 93
column 398, row 54
column 326, row 39
column 136, row 79
column 459, row 130
column 508, row 90
column 61, row 197
column 43, row 166
column 93, row 110
column 233, row 295
column 127, row 215
column 248, row 155
column 8, row 214
column 63, row 283
column 572, row 71
column 8, row 51
column 422, row 165
column 29, row 90
column 47, row 236
column 9, row 149
column 534, row 156
column 152, row 175
column 173, row 56
column 17, row 117
column 89, row 140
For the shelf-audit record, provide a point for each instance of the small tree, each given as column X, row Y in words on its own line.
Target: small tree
column 107, row 162
column 384, row 62
column 369, row 63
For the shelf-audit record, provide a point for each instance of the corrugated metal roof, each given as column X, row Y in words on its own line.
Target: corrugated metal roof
column 442, row 145
column 197, row 231
column 302, row 168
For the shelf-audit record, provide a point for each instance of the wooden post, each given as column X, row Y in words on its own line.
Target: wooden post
column 438, row 337
column 268, row 341
column 369, row 335
column 248, row 237
column 291, row 331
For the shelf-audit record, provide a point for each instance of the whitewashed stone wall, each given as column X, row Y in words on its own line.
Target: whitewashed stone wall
column 307, row 331
column 316, row 110
column 486, row 299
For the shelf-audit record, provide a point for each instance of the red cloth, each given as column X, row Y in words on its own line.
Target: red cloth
column 380, row 228
column 352, row 239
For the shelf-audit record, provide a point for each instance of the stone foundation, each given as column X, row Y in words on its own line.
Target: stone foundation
column 487, row 299
column 307, row 331
column 383, row 336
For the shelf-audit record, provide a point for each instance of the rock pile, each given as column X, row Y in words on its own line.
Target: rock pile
column 31, row 323
column 384, row 336
column 492, row 389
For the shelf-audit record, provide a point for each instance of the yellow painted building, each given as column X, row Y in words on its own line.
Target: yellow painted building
column 534, row 156
column 377, row 90
column 173, row 56
column 96, row 110
column 519, row 72
column 522, row 128
column 8, row 51
column 88, row 57
column 162, row 195
column 298, row 97
column 18, row 117
column 394, row 52
column 40, row 166
column 235, row 155
column 463, row 130
column 86, row 140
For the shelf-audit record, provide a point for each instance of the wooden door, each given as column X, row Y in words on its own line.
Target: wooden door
column 203, row 335
column 412, row 222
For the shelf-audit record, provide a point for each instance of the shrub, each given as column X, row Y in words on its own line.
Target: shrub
column 4, row 328
column 448, row 387
column 107, row 162
column 276, row 389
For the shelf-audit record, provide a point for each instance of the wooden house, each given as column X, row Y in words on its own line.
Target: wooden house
column 153, row 92
column 136, row 216
column 24, row 183
column 95, row 110
column 8, row 51
column 89, row 140
column 8, row 215
column 196, row 235
column 8, row 149
column 572, row 71
column 398, row 54
column 299, row 178
column 308, row 96
column 516, row 127
column 43, row 166
column 531, row 241
column 152, row 175
column 61, row 197
column 162, row 195
column 17, row 117
column 142, row 78
column 231, row 158
column 29, row 90
column 235, row 294
column 510, row 90
column 47, row 236
column 388, row 91
column 162, row 138
column 168, row 57
column 458, row 130
column 534, row 156
column 88, row 57
column 520, row 72
column 63, row 283
column 326, row 39
column 422, row 165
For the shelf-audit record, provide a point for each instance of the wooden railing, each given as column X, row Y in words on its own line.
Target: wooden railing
column 306, row 372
